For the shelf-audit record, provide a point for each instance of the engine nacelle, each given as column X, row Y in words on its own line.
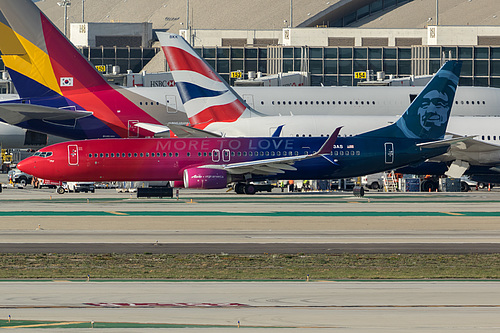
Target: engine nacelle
column 176, row 183
column 205, row 178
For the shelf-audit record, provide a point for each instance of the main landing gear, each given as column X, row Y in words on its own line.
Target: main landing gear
column 241, row 188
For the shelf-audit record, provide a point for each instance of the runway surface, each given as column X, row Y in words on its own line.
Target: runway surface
column 33, row 221
column 416, row 306
column 247, row 248
column 214, row 221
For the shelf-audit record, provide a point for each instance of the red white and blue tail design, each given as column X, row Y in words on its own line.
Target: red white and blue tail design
column 207, row 98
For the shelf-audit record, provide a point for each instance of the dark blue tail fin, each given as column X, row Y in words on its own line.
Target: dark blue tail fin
column 427, row 117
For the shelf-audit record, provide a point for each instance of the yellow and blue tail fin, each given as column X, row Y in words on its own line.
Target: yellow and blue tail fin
column 47, row 70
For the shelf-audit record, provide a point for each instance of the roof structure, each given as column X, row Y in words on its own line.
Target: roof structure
column 204, row 14
column 420, row 13
column 171, row 15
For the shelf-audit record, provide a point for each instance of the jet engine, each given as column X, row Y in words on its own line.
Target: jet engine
column 205, row 178
column 177, row 183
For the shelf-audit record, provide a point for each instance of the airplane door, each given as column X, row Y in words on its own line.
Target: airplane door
column 73, row 154
column 133, row 131
column 249, row 99
column 226, row 155
column 389, row 153
column 171, row 103
column 215, row 155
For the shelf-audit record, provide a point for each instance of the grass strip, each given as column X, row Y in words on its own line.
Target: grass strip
column 249, row 267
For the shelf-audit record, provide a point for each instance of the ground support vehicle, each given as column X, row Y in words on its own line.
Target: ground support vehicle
column 39, row 183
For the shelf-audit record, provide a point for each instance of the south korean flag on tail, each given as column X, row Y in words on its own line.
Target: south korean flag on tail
column 66, row 82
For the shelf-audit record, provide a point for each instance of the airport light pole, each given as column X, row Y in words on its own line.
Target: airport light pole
column 83, row 11
column 437, row 12
column 65, row 4
column 291, row 13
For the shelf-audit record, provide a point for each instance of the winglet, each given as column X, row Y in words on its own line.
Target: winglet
column 277, row 133
column 327, row 147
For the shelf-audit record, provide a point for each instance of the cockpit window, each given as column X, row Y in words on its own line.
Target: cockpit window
column 43, row 154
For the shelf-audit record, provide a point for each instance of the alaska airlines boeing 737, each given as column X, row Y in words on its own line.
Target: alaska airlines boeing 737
column 213, row 106
column 216, row 162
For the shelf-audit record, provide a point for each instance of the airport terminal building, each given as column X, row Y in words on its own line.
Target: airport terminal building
column 332, row 40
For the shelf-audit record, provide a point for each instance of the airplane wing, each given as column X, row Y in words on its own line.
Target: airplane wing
column 476, row 146
column 276, row 165
column 181, row 131
column 14, row 113
column 463, row 153
column 446, row 142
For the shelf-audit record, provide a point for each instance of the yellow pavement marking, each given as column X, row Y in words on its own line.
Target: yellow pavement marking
column 53, row 324
column 450, row 213
column 117, row 213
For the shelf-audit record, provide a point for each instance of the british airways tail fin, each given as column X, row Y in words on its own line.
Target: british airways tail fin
column 207, row 98
column 427, row 116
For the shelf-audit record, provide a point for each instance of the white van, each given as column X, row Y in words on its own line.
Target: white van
column 374, row 181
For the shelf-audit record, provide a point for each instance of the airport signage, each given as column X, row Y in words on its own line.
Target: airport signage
column 236, row 75
column 360, row 75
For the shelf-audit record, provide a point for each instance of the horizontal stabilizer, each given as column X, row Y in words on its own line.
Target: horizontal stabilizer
column 160, row 131
column 13, row 113
column 182, row 131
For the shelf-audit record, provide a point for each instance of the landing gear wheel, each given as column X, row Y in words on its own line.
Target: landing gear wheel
column 374, row 186
column 23, row 181
column 250, row 189
column 239, row 188
column 428, row 186
column 60, row 190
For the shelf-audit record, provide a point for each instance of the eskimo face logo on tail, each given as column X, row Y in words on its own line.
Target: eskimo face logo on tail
column 434, row 110
column 427, row 117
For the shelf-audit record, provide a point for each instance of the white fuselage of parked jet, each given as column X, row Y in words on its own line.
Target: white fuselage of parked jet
column 375, row 101
column 314, row 111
